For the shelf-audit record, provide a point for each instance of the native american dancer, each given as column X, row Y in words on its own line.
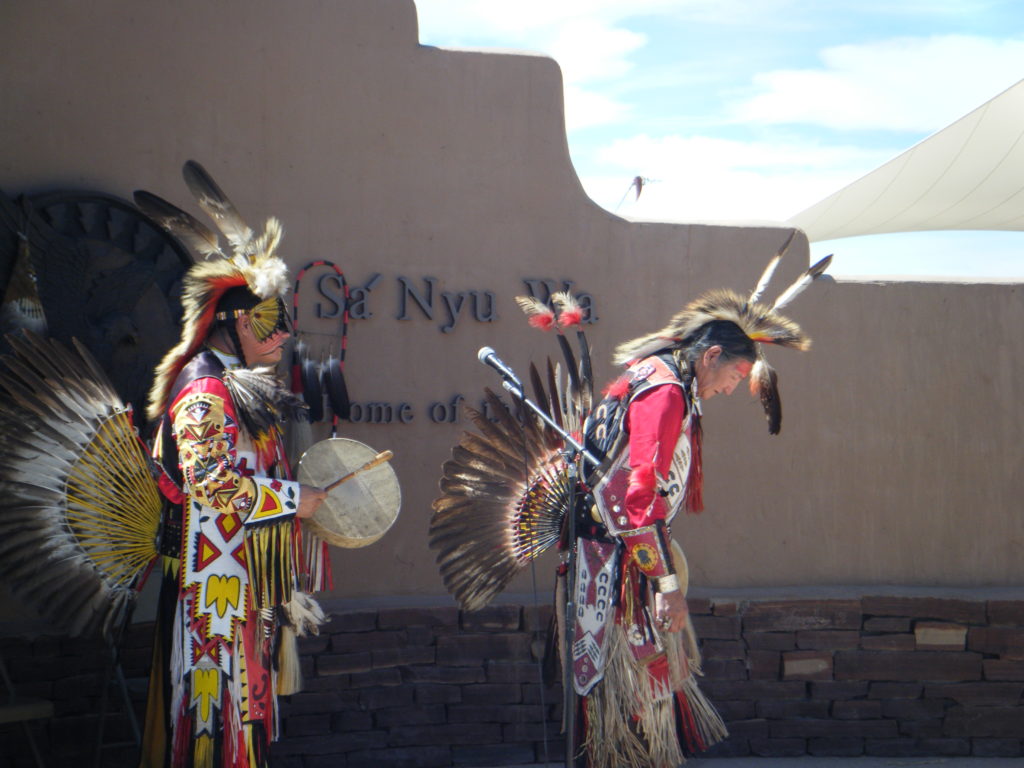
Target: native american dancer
column 514, row 489
column 236, row 568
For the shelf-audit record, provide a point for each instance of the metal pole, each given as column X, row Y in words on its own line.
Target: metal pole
column 572, row 458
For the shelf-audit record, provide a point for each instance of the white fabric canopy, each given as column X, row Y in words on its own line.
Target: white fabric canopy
column 969, row 175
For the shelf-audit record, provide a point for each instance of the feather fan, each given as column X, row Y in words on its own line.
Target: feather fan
column 505, row 492
column 79, row 508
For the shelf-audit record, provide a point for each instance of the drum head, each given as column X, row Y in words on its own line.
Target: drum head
column 360, row 510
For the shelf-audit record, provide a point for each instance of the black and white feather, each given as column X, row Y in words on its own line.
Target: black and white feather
column 504, row 495
column 79, row 505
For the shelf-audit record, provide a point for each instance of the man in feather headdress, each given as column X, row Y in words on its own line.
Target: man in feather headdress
column 629, row 652
column 648, row 433
column 236, row 572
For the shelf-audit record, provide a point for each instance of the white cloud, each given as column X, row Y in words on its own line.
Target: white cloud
column 586, row 108
column 701, row 177
column 910, row 84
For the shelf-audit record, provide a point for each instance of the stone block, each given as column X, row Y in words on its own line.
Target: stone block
column 887, row 624
column 375, row 677
column 351, row 720
column 380, row 698
column 940, row 636
column 895, row 691
column 778, row 747
column 493, row 618
column 921, row 729
column 946, row 747
column 416, row 715
column 939, row 609
column 810, row 729
column 310, row 702
column 789, row 709
column 836, row 746
column 725, row 608
column 474, row 650
column 492, row 755
column 1005, row 694
column 340, row 664
column 492, row 693
column 335, row 684
column 550, row 753
column 753, row 690
column 723, row 649
column 985, row 722
column 722, row 669
column 699, row 606
column 828, row 640
column 857, row 710
column 532, row 693
column 537, row 619
column 749, row 729
column 806, row 665
column 996, row 747
column 494, row 713
column 736, row 710
column 354, row 642
column 913, row 709
column 999, row 669
column 731, row 747
column 512, row 672
column 438, row 694
column 905, row 642
column 307, row 725
column 717, row 627
column 333, row 743
column 938, row 666
column 400, row 657
column 899, row 747
column 764, row 665
column 1006, row 612
column 350, row 621
column 313, row 645
column 1005, row 642
column 425, row 635
column 770, row 641
column 450, row 675
column 445, row 734
column 399, row 618
column 399, row 757
column 796, row 615
column 513, row 733
column 838, row 691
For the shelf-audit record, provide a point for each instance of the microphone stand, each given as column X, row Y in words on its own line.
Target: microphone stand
column 573, row 450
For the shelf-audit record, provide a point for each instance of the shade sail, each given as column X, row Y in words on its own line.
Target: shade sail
column 969, row 175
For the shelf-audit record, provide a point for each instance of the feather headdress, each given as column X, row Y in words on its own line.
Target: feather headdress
column 253, row 263
column 761, row 323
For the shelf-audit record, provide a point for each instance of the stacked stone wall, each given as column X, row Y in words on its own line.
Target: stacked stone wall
column 435, row 686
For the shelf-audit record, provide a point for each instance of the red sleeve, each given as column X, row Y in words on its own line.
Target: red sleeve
column 654, row 421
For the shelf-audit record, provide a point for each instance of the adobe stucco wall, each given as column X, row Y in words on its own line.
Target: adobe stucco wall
column 899, row 459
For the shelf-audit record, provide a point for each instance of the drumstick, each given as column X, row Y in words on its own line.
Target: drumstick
column 380, row 458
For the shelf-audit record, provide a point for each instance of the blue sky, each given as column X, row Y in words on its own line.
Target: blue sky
column 739, row 110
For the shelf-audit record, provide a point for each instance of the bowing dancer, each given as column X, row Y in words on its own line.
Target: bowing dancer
column 629, row 655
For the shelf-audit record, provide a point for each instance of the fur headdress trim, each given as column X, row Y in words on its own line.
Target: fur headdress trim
column 759, row 322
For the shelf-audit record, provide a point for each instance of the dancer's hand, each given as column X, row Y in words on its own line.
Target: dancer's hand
column 670, row 611
column 310, row 497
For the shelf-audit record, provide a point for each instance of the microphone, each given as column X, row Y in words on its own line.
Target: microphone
column 487, row 356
